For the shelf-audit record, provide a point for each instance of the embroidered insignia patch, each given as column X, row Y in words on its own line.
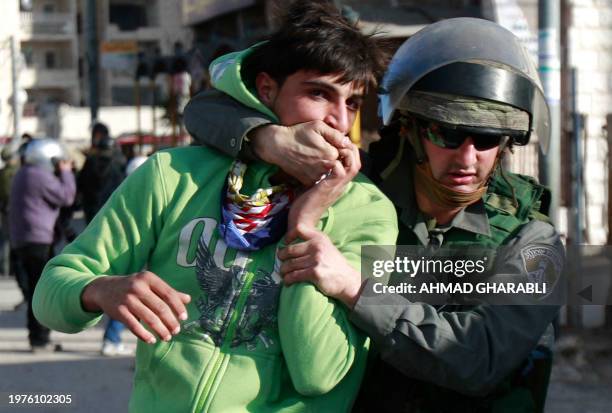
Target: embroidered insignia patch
column 543, row 265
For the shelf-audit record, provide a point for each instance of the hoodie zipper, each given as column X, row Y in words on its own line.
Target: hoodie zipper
column 204, row 399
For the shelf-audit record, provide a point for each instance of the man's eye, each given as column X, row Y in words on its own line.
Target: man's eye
column 353, row 105
column 317, row 93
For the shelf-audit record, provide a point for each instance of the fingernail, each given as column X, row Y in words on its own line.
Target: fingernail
column 346, row 141
column 151, row 340
column 183, row 316
column 168, row 338
column 176, row 330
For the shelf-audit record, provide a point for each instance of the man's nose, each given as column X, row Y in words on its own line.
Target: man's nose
column 339, row 118
column 466, row 153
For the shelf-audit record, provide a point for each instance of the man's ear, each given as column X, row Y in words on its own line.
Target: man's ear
column 267, row 88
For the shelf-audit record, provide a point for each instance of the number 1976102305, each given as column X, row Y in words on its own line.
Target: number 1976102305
column 39, row 398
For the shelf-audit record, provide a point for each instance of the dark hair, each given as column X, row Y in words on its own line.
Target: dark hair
column 314, row 35
column 105, row 143
column 101, row 128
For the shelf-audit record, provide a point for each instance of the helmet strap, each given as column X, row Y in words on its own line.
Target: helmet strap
column 408, row 130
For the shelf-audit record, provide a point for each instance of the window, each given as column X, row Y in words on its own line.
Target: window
column 25, row 5
column 50, row 62
column 28, row 55
column 128, row 17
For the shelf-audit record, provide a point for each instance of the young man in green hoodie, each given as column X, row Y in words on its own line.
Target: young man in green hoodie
column 218, row 330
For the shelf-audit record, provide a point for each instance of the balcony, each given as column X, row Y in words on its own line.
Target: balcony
column 32, row 78
column 57, row 25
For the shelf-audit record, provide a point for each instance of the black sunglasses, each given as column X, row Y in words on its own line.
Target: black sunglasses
column 452, row 138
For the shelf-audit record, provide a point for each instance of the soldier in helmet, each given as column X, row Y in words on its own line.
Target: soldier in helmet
column 37, row 195
column 454, row 105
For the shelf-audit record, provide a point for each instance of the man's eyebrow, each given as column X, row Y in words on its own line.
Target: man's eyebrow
column 331, row 87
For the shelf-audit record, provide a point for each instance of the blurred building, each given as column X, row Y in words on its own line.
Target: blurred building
column 154, row 27
column 9, row 10
column 51, row 56
column 45, row 57
column 222, row 26
column 49, row 47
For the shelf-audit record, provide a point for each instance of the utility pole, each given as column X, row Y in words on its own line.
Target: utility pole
column 609, row 133
column 550, row 72
column 92, row 57
column 16, row 90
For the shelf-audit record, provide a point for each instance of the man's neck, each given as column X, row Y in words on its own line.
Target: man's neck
column 441, row 214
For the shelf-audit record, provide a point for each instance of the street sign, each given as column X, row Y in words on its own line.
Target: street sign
column 119, row 56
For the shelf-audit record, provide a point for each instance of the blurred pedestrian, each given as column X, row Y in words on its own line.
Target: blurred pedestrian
column 35, row 199
column 26, row 138
column 99, row 131
column 102, row 173
column 11, row 266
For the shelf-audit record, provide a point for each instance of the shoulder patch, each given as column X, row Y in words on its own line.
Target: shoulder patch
column 543, row 265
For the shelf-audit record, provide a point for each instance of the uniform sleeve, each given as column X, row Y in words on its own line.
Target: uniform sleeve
column 469, row 351
column 319, row 343
column 216, row 120
column 118, row 241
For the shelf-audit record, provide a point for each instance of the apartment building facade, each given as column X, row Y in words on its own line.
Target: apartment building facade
column 156, row 28
column 43, row 56
column 49, row 49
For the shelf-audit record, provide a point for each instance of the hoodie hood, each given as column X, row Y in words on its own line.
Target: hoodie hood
column 225, row 76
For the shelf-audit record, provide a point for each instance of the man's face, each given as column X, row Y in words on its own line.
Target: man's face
column 306, row 96
column 463, row 169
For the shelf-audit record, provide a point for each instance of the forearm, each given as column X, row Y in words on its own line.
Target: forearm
column 214, row 119
column 469, row 351
column 57, row 299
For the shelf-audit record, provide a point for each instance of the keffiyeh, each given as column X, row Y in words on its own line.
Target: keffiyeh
column 251, row 222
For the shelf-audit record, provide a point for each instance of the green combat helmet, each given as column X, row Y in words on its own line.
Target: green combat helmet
column 474, row 59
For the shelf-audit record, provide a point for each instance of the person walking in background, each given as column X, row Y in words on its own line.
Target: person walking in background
column 11, row 165
column 102, row 173
column 35, row 200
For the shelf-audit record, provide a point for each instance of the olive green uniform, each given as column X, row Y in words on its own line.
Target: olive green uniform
column 437, row 358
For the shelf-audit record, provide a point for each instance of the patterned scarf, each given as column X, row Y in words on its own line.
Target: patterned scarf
column 252, row 222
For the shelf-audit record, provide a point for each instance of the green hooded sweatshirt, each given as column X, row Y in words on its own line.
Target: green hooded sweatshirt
column 250, row 343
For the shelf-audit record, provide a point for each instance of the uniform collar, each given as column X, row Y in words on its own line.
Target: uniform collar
column 472, row 218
